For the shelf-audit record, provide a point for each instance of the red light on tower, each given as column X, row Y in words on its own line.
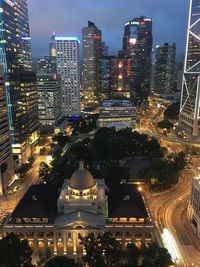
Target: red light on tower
column 97, row 37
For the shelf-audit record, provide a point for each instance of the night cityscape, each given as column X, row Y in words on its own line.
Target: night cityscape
column 99, row 133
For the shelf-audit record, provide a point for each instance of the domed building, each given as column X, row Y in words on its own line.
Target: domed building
column 56, row 221
column 82, row 192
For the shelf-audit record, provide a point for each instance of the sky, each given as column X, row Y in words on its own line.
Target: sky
column 67, row 17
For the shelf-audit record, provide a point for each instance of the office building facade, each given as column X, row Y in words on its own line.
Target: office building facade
column 92, row 51
column 6, row 157
column 115, row 74
column 117, row 113
column 49, row 100
column 20, row 82
column 137, row 43
column 68, row 67
column 44, row 65
column 193, row 212
column 190, row 95
column 164, row 73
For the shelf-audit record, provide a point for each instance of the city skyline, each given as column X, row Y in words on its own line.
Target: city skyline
column 75, row 15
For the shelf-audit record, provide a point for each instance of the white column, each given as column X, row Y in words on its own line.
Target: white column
column 64, row 244
column 55, row 243
column 74, row 244
column 84, row 251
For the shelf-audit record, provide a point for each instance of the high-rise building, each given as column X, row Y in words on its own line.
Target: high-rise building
column 137, row 43
column 124, row 76
column 49, row 100
column 92, row 51
column 164, row 74
column 106, row 63
column 194, row 206
column 44, row 65
column 190, row 96
column 68, row 66
column 104, row 48
column 20, row 82
column 52, row 45
column 23, row 33
column 115, row 76
column 6, row 158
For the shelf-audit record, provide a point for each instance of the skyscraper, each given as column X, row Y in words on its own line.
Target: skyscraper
column 68, row 66
column 52, row 45
column 23, row 33
column 92, row 50
column 137, row 43
column 190, row 95
column 20, row 82
column 164, row 73
column 6, row 158
column 49, row 100
column 44, row 64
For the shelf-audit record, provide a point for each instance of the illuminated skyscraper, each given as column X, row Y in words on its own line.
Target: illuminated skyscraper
column 44, row 65
column 164, row 73
column 20, row 82
column 190, row 96
column 23, row 33
column 49, row 100
column 68, row 66
column 6, row 158
column 137, row 43
column 92, row 50
column 52, row 45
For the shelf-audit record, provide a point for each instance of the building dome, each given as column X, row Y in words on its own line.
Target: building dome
column 81, row 179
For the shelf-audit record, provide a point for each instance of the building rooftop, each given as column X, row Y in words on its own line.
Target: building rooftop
column 39, row 202
column 125, row 201
column 116, row 103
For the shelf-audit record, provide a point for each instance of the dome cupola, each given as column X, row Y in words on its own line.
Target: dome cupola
column 81, row 179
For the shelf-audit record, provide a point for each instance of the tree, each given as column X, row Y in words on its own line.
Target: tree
column 103, row 251
column 44, row 171
column 14, row 252
column 172, row 112
column 62, row 261
column 165, row 124
column 132, row 255
column 61, row 139
column 154, row 256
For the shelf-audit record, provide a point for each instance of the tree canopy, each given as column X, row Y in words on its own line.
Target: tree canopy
column 105, row 251
column 14, row 252
column 172, row 112
column 61, row 261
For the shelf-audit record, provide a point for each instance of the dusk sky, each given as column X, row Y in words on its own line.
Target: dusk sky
column 67, row 17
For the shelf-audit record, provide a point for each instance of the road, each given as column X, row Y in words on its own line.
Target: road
column 8, row 203
column 168, row 215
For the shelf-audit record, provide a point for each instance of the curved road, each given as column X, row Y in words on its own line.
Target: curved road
column 168, row 213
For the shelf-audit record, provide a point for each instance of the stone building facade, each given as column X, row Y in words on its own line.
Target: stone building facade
column 54, row 221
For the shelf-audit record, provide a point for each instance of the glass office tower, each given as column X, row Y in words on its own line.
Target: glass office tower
column 164, row 74
column 6, row 158
column 20, row 81
column 137, row 44
column 92, row 51
column 190, row 96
